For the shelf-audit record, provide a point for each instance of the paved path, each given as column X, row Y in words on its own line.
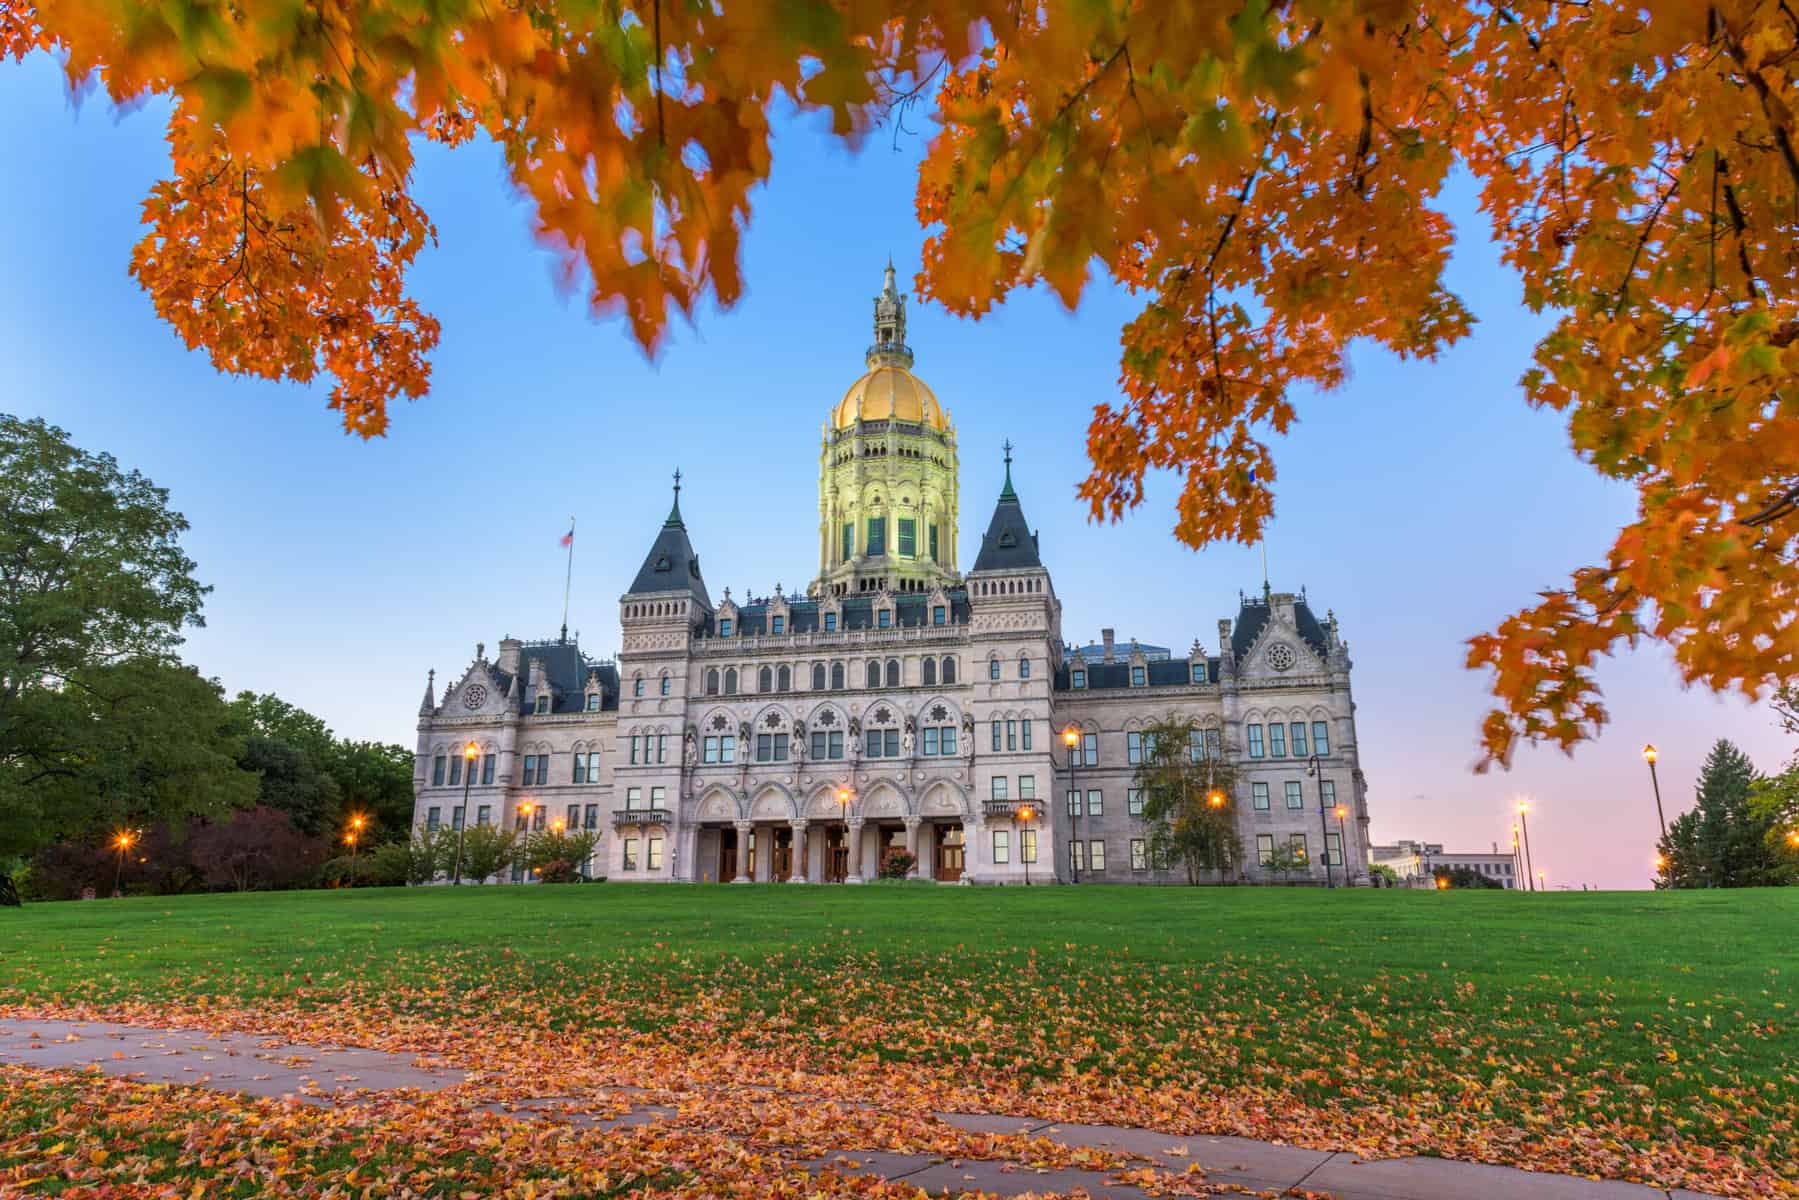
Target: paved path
column 265, row 1066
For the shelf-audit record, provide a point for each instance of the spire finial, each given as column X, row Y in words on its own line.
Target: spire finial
column 674, row 514
column 1006, row 493
column 889, row 347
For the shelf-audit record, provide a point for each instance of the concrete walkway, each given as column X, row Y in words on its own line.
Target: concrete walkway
column 268, row 1067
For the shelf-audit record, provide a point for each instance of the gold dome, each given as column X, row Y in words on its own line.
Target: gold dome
column 890, row 393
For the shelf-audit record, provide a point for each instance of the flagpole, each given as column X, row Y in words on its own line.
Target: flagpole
column 568, row 578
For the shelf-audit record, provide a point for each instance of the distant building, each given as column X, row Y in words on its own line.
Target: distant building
column 1418, row 862
column 899, row 702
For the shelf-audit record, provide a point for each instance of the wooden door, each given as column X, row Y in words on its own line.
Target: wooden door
column 837, row 855
column 949, row 853
column 783, row 855
column 727, row 855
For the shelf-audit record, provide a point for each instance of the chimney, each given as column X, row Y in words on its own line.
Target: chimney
column 1107, row 636
column 508, row 660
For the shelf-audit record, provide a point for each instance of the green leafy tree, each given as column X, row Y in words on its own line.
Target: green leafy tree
column 557, row 856
column 96, row 592
column 1465, row 877
column 337, row 777
column 1721, row 841
column 1187, row 807
column 375, row 779
column 1285, row 859
column 1774, row 805
column 138, row 743
column 486, row 851
column 291, row 782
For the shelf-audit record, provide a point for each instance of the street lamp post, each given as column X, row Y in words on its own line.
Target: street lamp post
column 1023, row 812
column 1518, row 859
column 1324, row 829
column 1649, row 756
column 1524, row 824
column 525, row 809
column 123, row 843
column 1215, row 799
column 1071, row 738
column 843, row 810
column 1342, row 843
column 354, row 837
column 469, row 753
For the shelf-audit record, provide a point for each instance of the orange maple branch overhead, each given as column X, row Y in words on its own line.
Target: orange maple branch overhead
column 1268, row 177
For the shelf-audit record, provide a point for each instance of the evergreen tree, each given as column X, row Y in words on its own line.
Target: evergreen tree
column 1722, row 841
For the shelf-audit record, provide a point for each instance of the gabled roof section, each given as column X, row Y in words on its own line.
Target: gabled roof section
column 1009, row 544
column 1252, row 618
column 566, row 668
column 671, row 565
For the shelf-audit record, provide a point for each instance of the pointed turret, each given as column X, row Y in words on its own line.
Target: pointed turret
column 1009, row 543
column 889, row 347
column 428, row 706
column 671, row 565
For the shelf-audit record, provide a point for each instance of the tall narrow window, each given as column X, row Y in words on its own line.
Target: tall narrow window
column 874, row 674
column 929, row 672
column 1078, row 678
column 933, row 530
column 1139, row 855
column 949, row 670
column 1011, row 735
column 1255, row 742
column 1133, row 748
column 437, row 771
column 1214, row 744
column 1074, row 803
column 830, row 622
column 765, row 680
column 996, row 725
column 1002, row 846
column 818, row 677
column 543, row 769
column 487, row 766
column 1333, row 849
column 908, row 537
column 1264, row 848
column 1090, row 749
column 1258, row 796
column 939, row 614
column 580, row 773
column 876, row 544
column 666, row 684
column 1133, row 802
column 777, row 624
column 1096, row 855
column 1137, row 677
column 1321, row 738
column 1299, row 739
column 837, row 677
column 1330, row 793
column 784, row 679
column 993, row 668
column 1277, row 740
column 1024, row 668
column 849, row 540
column 999, row 787
column 1096, row 803
column 1027, row 845
column 456, row 770
column 893, row 673
column 725, row 626
column 884, row 619
column 1295, row 797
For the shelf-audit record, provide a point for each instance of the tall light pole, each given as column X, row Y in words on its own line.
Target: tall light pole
column 1215, row 799
column 1023, row 812
column 1324, row 829
column 354, row 837
column 1524, row 824
column 1071, row 738
column 843, row 809
column 1518, row 870
column 1649, row 756
column 470, row 753
column 1342, row 843
column 122, row 843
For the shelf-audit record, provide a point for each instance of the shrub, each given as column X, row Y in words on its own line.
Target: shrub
column 897, row 863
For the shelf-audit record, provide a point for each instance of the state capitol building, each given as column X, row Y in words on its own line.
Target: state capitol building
column 900, row 702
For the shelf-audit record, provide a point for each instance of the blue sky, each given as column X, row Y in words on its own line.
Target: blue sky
column 1422, row 501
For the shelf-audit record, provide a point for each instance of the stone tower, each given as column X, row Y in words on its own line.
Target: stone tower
column 887, row 474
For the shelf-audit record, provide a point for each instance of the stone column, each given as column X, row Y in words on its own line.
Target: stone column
column 974, row 844
column 745, row 831
column 798, row 874
column 854, row 874
column 912, row 848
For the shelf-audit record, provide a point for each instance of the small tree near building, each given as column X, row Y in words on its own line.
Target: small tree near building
column 1188, row 808
column 1285, row 859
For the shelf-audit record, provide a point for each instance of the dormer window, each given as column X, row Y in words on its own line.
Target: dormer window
column 593, row 702
column 1199, row 672
column 830, row 622
column 543, row 704
column 777, row 624
column 1138, row 678
column 884, row 619
column 939, row 614
column 724, row 626
column 1079, row 678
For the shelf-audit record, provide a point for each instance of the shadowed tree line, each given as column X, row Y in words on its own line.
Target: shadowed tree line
column 103, row 730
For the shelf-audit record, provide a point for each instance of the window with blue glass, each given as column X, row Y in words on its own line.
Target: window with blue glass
column 1277, row 740
column 884, row 618
column 876, row 544
column 1137, row 677
column 1255, row 742
column 1295, row 797
column 777, row 624
column 938, row 614
column 1321, row 738
column 830, row 622
column 1298, row 730
column 993, row 668
column 724, row 626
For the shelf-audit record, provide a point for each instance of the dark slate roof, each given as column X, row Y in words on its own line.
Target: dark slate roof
column 910, row 610
column 1008, row 544
column 567, row 671
column 1119, row 649
column 1101, row 676
column 1252, row 618
column 671, row 565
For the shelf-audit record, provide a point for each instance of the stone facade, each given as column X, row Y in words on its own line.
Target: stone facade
column 895, row 704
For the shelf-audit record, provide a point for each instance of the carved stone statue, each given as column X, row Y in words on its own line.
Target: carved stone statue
column 690, row 748
column 856, row 736
column 908, row 736
column 799, row 742
column 968, row 736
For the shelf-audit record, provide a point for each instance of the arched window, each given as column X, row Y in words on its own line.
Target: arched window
column 949, row 670
column 930, row 672
column 785, row 678
column 730, row 681
column 712, row 682
column 637, row 686
column 874, row 674
column 993, row 668
column 765, row 680
column 1024, row 667
column 665, row 683
column 893, row 673
column 836, row 677
column 818, row 677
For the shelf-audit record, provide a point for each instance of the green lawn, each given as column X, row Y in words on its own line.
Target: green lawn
column 1654, row 1020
